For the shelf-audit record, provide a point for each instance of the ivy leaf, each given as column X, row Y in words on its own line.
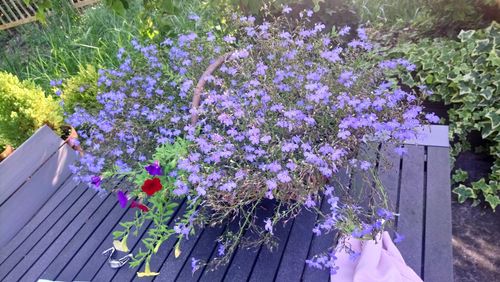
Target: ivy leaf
column 464, row 193
column 493, row 200
column 494, row 117
column 482, row 186
column 460, row 176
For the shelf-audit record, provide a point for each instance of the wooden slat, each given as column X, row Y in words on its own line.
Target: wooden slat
column 268, row 261
column 128, row 273
column 7, row 15
column 293, row 261
column 61, row 216
column 23, row 7
column 45, row 218
column 438, row 264
column 34, row 193
column 432, row 135
column 209, row 274
column 16, row 13
column 362, row 182
column 54, row 251
column 88, row 261
column 172, row 266
column 411, row 219
column 86, row 241
column 388, row 172
column 19, row 14
column 56, row 237
column 106, row 273
column 204, row 249
column 245, row 257
column 31, row 154
column 321, row 244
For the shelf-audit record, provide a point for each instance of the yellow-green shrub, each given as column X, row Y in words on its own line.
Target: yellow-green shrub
column 23, row 109
column 80, row 91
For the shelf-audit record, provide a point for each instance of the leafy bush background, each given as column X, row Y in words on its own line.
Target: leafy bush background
column 466, row 75
column 24, row 108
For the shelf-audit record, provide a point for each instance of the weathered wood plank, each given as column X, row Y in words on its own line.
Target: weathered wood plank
column 172, row 266
column 438, row 260
column 34, row 193
column 128, row 273
column 55, row 238
column 204, row 249
column 320, row 244
column 411, row 219
column 61, row 198
column 293, row 261
column 55, row 249
column 210, row 274
column 361, row 182
column 62, row 217
column 31, row 154
column 87, row 262
column 245, row 257
column 432, row 135
column 85, row 242
column 388, row 171
column 106, row 273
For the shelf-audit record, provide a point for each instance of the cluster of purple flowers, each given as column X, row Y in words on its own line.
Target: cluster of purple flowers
column 277, row 120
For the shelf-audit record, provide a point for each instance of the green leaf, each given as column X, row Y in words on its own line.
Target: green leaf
column 493, row 200
column 464, row 193
column 494, row 117
column 460, row 176
column 482, row 186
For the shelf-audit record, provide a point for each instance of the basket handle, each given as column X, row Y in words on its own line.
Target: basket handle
column 201, row 83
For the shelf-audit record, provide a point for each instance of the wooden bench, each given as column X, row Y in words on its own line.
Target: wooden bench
column 51, row 228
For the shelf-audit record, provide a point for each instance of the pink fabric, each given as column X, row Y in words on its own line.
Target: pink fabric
column 378, row 261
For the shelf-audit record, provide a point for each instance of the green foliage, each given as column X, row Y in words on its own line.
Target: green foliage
column 429, row 17
column 68, row 42
column 23, row 109
column 460, row 176
column 80, row 91
column 466, row 75
column 162, row 204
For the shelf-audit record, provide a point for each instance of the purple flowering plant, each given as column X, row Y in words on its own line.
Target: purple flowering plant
column 274, row 111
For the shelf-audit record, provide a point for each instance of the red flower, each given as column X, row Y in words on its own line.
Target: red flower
column 151, row 186
column 140, row 206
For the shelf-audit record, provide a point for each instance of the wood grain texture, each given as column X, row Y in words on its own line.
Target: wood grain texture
column 36, row 240
column 411, row 207
column 60, row 200
column 34, row 193
column 438, row 260
column 31, row 154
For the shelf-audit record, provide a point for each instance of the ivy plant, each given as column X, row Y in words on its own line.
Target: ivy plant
column 464, row 74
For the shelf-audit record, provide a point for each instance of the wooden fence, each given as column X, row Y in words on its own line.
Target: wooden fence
column 16, row 12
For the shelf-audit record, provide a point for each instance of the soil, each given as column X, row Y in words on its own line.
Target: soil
column 476, row 230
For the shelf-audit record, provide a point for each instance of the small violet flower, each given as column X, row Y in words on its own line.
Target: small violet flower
column 154, row 169
column 122, row 198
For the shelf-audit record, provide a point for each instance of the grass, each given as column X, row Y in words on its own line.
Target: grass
column 67, row 42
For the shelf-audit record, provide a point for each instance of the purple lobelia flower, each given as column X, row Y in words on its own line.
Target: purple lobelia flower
column 194, row 264
column 122, row 199
column 96, row 180
column 398, row 238
column 269, row 226
column 154, row 169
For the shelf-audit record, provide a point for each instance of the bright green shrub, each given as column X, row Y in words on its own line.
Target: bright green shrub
column 23, row 109
column 465, row 74
column 80, row 91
